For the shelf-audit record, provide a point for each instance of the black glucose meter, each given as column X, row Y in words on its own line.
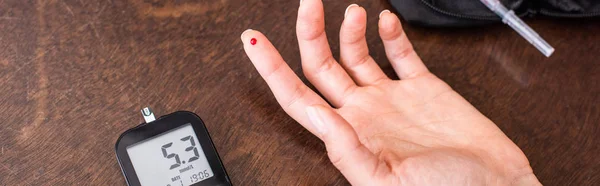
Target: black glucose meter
column 173, row 150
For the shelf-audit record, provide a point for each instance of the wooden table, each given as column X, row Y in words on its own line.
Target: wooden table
column 74, row 74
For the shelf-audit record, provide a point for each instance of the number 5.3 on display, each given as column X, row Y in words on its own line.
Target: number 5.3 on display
column 178, row 162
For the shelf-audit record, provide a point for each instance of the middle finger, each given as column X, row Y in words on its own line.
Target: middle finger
column 318, row 63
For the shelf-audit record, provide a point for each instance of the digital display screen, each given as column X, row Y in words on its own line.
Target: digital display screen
column 174, row 158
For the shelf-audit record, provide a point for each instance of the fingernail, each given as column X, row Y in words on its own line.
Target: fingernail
column 348, row 8
column 316, row 119
column 242, row 36
column 385, row 11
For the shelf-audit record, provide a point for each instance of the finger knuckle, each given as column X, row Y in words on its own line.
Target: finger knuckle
column 324, row 65
column 273, row 70
column 356, row 63
column 308, row 31
column 299, row 92
column 402, row 53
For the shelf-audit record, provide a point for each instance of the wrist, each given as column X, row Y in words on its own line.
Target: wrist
column 525, row 180
column 511, row 171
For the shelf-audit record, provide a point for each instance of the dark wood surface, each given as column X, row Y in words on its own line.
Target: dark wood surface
column 74, row 74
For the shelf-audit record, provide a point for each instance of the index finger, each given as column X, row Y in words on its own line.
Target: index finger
column 291, row 93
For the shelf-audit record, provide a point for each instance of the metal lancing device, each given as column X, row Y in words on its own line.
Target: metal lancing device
column 173, row 150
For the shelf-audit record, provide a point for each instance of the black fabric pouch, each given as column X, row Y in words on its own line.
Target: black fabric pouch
column 462, row 13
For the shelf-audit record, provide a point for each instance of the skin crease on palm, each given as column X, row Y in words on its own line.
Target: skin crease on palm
column 412, row 131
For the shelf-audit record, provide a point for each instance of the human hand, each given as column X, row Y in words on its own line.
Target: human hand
column 413, row 131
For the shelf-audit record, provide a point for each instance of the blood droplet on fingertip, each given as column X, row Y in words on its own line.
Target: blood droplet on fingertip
column 253, row 41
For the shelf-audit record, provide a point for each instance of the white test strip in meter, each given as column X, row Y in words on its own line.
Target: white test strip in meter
column 148, row 115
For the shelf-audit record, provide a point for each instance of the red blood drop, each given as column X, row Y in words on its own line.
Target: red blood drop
column 253, row 41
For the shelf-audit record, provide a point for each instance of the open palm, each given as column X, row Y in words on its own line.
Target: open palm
column 413, row 131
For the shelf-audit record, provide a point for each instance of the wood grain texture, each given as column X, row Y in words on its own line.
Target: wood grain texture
column 74, row 74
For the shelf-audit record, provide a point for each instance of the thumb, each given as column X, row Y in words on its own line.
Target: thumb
column 346, row 152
